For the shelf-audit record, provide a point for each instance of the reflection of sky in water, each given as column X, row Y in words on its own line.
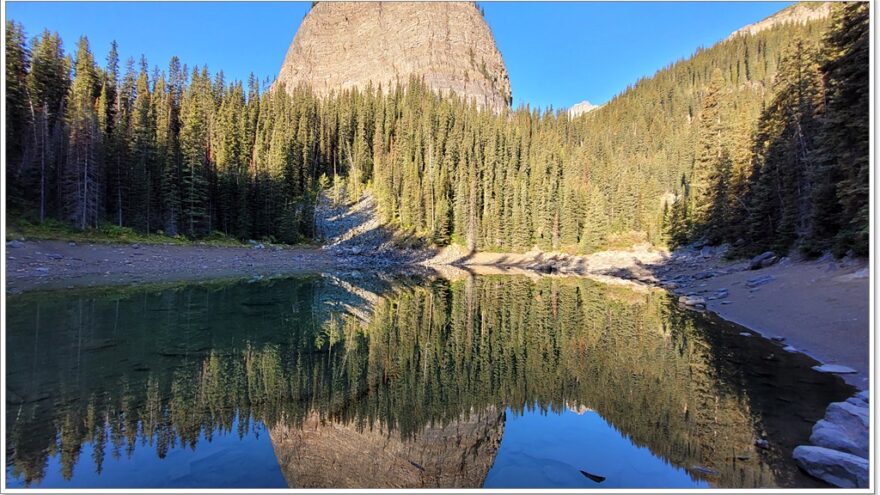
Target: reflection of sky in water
column 227, row 461
column 549, row 450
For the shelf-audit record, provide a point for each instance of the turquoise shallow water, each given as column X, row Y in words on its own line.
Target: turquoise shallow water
column 362, row 381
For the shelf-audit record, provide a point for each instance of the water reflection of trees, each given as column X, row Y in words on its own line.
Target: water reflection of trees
column 160, row 369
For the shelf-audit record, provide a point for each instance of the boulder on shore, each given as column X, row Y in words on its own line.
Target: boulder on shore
column 758, row 281
column 763, row 260
column 833, row 466
column 692, row 301
column 849, row 415
column 840, row 437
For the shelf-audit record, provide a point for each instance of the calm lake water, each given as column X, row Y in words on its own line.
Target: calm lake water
column 357, row 381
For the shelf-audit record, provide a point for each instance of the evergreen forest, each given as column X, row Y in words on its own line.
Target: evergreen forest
column 761, row 141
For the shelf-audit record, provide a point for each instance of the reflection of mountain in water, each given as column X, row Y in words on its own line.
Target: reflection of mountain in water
column 397, row 376
column 326, row 453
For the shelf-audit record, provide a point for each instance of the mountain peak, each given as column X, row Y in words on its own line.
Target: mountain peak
column 799, row 13
column 449, row 45
column 581, row 108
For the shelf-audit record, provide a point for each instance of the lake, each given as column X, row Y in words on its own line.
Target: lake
column 398, row 381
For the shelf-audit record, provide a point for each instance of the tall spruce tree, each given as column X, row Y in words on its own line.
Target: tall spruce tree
column 194, row 156
column 82, row 170
column 711, row 164
column 18, row 114
column 47, row 86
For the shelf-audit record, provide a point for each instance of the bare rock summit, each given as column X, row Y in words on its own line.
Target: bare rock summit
column 342, row 45
column 581, row 108
column 799, row 13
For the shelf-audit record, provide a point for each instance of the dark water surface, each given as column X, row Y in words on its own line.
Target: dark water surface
column 325, row 381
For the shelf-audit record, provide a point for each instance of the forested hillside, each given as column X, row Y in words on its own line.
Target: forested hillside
column 760, row 141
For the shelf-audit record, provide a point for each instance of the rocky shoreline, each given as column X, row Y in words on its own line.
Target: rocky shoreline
column 840, row 444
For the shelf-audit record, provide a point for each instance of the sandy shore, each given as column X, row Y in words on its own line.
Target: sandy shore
column 820, row 308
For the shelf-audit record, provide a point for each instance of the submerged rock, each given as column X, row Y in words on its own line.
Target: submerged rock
column 593, row 477
column 833, row 466
column 834, row 368
column 719, row 294
column 705, row 470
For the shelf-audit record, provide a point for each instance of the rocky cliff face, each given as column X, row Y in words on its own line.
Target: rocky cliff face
column 799, row 13
column 322, row 454
column 350, row 44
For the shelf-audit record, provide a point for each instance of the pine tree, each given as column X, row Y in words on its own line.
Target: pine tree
column 780, row 190
column 47, row 86
column 82, row 170
column 840, row 200
column 711, row 164
column 19, row 120
column 193, row 141
column 595, row 223
column 167, row 136
column 143, row 175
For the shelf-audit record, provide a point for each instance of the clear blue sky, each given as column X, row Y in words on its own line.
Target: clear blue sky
column 557, row 53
